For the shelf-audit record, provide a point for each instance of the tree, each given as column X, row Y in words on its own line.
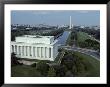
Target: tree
column 89, row 42
column 60, row 49
column 51, row 72
column 69, row 74
column 71, row 42
column 43, row 67
column 68, row 60
column 74, row 70
column 14, row 60
column 60, row 71
column 33, row 65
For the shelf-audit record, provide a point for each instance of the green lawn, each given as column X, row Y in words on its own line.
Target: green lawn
column 92, row 64
column 86, row 41
column 82, row 36
column 24, row 71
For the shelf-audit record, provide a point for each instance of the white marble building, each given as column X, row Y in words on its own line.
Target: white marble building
column 35, row 47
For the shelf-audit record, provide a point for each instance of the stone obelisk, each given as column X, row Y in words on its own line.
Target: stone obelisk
column 70, row 23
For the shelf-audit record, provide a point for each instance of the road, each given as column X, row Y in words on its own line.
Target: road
column 89, row 52
column 94, row 38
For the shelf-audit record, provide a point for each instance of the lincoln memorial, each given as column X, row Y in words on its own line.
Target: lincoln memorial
column 35, row 47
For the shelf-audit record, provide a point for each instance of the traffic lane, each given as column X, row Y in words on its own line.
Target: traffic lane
column 86, row 52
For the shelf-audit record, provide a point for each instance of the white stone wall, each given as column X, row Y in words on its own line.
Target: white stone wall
column 55, row 50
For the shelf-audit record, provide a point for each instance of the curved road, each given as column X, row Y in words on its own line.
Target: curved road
column 89, row 52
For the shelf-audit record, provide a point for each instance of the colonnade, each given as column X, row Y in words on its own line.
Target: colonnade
column 32, row 51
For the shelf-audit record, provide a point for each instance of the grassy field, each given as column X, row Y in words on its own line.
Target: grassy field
column 24, row 71
column 93, row 65
column 82, row 36
column 86, row 41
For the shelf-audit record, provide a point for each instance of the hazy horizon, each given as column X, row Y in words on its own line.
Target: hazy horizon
column 56, row 17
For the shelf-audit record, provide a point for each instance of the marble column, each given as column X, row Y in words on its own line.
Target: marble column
column 37, row 52
column 31, row 51
column 43, row 52
column 51, row 52
column 24, row 50
column 17, row 50
column 28, row 51
column 47, row 52
column 40, row 52
column 21, row 50
column 14, row 48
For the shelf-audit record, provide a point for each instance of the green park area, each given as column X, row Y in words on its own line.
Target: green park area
column 82, row 36
column 86, row 41
column 73, row 64
column 24, row 71
column 70, row 40
column 92, row 66
column 83, row 40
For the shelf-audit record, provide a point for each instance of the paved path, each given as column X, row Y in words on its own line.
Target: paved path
column 89, row 52
column 25, row 62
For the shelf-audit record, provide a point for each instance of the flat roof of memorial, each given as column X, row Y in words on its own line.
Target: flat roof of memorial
column 35, row 36
column 55, row 41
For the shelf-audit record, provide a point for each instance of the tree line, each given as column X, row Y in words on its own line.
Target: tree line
column 15, row 33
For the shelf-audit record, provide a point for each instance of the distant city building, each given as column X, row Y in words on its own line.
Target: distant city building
column 44, row 25
column 63, row 26
column 14, row 28
column 35, row 47
column 28, row 28
column 96, row 27
column 82, row 27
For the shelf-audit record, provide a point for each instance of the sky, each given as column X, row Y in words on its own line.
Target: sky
column 55, row 17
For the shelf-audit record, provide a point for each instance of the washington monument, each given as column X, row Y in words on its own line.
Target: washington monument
column 70, row 23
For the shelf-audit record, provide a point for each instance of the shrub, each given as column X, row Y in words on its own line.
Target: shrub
column 43, row 67
column 51, row 72
column 33, row 65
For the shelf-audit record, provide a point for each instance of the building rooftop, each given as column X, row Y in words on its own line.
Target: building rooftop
column 55, row 41
column 35, row 39
column 36, row 36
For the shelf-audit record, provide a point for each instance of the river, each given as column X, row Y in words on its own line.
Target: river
column 62, row 39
